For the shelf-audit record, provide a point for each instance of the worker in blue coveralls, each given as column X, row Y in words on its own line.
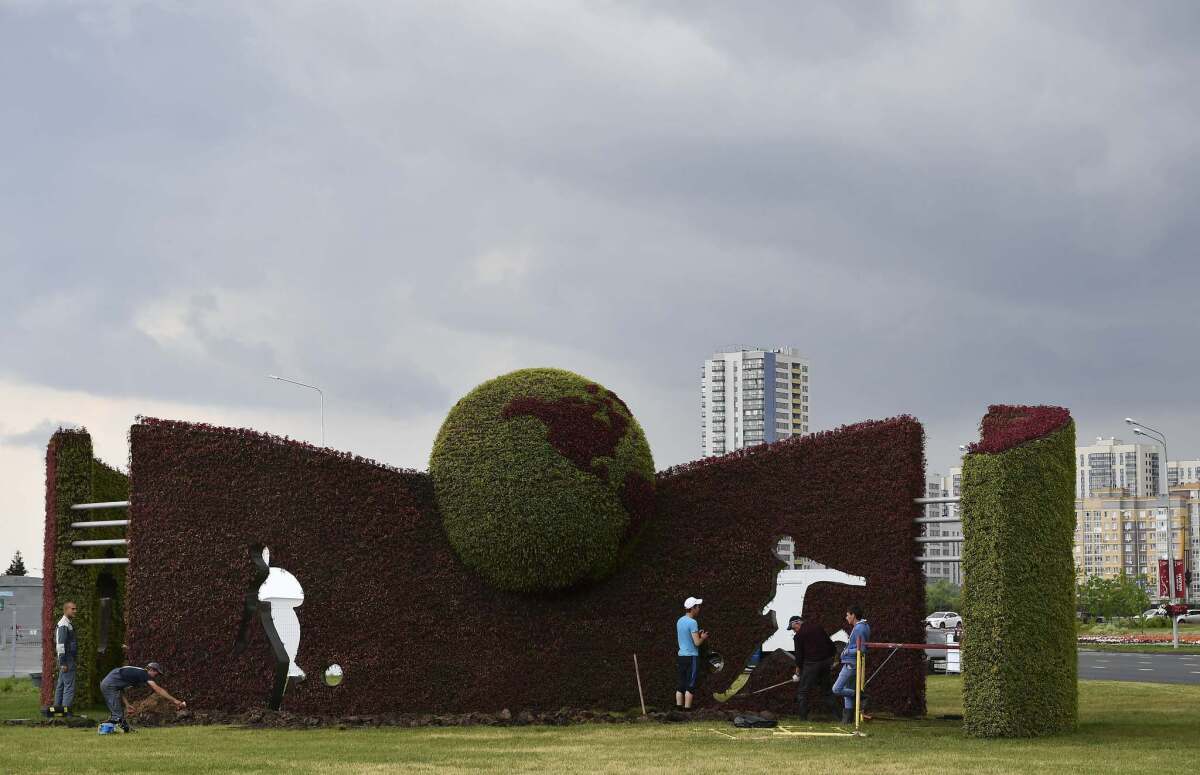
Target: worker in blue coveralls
column 860, row 634
column 687, row 661
column 127, row 677
column 66, row 653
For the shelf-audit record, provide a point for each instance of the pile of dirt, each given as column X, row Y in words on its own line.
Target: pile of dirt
column 154, row 711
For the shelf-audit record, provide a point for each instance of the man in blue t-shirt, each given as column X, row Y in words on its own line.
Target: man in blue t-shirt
column 860, row 634
column 687, row 661
column 122, row 678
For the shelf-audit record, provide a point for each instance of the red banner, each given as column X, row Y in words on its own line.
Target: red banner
column 1164, row 580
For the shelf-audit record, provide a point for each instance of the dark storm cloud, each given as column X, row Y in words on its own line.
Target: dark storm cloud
column 943, row 206
column 38, row 436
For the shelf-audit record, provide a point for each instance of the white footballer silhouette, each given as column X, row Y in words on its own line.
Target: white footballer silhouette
column 790, row 589
column 283, row 591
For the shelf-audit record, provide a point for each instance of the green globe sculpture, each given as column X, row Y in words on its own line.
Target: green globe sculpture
column 543, row 479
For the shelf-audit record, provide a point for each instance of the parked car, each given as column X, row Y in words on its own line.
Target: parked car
column 1191, row 617
column 943, row 620
column 943, row 660
column 1154, row 613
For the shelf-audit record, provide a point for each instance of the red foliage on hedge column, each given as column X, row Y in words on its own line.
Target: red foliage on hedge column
column 1007, row 425
column 49, row 546
column 414, row 630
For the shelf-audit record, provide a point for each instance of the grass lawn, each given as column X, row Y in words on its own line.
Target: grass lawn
column 1125, row 727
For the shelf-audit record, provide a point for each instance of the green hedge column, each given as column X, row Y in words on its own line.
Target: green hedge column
column 1018, row 508
column 75, row 476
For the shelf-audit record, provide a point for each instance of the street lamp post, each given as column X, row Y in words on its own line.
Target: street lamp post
column 310, row 387
column 1141, row 429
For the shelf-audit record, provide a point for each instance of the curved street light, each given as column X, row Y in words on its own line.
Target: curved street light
column 310, row 387
column 1141, row 428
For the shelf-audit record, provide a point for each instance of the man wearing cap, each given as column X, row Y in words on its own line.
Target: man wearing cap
column 687, row 661
column 126, row 677
column 814, row 656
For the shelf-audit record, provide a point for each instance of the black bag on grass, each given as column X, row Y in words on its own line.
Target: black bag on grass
column 752, row 721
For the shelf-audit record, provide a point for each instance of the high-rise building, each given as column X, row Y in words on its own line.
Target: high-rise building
column 1132, row 469
column 943, row 486
column 1183, row 472
column 1117, row 534
column 1193, row 537
column 752, row 396
column 785, row 550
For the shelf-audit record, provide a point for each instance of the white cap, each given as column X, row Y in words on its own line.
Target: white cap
column 691, row 601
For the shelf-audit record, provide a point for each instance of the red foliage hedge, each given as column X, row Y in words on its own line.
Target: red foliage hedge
column 1005, row 426
column 49, row 549
column 575, row 428
column 580, row 434
column 415, row 631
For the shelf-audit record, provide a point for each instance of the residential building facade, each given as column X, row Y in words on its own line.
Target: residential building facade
column 1193, row 554
column 752, row 396
column 1119, row 534
column 943, row 486
column 1183, row 472
column 1112, row 464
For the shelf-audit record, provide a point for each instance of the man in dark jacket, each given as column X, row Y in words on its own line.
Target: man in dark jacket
column 127, row 677
column 66, row 650
column 814, row 657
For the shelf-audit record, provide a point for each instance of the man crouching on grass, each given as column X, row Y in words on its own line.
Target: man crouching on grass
column 122, row 678
column 690, row 637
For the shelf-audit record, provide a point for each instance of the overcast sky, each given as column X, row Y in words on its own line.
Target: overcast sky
column 942, row 205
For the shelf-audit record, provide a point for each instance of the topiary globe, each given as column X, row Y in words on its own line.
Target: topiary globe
column 542, row 478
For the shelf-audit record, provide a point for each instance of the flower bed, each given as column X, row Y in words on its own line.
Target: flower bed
column 1144, row 640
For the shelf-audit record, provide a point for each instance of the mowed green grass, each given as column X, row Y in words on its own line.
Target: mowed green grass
column 1125, row 727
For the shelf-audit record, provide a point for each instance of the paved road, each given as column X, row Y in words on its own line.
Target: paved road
column 1151, row 668
column 29, row 659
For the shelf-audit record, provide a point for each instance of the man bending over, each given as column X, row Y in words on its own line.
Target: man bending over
column 122, row 678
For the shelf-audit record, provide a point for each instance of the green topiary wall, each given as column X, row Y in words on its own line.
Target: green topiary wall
column 543, row 478
column 1019, row 657
column 75, row 476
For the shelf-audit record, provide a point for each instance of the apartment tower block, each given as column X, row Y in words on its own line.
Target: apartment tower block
column 752, row 396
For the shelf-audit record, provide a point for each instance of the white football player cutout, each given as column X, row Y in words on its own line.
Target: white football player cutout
column 283, row 591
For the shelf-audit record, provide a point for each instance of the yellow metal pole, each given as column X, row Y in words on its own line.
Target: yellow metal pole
column 858, row 676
